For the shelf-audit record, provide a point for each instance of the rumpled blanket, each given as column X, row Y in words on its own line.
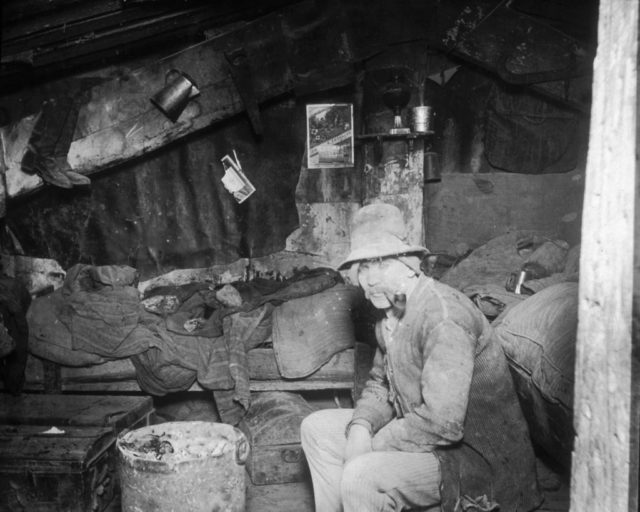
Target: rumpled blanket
column 103, row 311
column 202, row 314
column 97, row 316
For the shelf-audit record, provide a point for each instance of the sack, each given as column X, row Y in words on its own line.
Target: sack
column 538, row 336
column 528, row 135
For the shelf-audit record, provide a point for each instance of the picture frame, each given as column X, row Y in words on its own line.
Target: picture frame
column 330, row 140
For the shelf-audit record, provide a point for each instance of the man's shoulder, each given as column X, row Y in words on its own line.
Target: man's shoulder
column 446, row 291
column 444, row 302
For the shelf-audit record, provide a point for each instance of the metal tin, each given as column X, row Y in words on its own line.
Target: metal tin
column 422, row 119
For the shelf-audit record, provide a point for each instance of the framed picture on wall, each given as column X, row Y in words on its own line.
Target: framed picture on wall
column 329, row 135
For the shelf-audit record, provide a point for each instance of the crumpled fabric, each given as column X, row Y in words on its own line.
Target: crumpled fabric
column 489, row 275
column 50, row 338
column 200, row 313
column 103, row 311
column 492, row 299
column 176, row 362
column 479, row 504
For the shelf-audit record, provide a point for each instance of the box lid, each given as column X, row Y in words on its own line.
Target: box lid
column 115, row 411
column 274, row 418
column 63, row 450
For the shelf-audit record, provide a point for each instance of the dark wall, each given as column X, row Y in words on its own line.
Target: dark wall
column 169, row 210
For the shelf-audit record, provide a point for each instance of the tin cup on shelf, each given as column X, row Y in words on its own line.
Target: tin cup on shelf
column 422, row 119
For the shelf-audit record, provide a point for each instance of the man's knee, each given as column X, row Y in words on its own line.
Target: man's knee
column 358, row 472
column 310, row 427
column 314, row 427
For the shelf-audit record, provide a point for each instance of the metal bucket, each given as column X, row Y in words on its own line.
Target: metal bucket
column 422, row 119
column 197, row 466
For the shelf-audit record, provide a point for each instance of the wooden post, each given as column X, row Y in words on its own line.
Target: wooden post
column 604, row 467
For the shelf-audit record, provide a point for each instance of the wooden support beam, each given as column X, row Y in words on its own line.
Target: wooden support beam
column 603, row 464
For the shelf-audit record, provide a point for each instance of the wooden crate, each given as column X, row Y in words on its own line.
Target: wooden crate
column 71, row 471
column 272, row 426
column 57, row 452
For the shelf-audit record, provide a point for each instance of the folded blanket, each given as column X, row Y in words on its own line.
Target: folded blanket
column 308, row 331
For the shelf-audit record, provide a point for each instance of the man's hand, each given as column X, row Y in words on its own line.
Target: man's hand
column 358, row 442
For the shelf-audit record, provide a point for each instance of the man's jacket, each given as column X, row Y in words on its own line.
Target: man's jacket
column 440, row 382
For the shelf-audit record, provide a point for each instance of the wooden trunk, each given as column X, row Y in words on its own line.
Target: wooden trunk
column 272, row 426
column 73, row 471
column 57, row 452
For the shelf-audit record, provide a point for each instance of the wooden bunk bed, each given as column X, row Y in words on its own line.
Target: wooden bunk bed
column 346, row 370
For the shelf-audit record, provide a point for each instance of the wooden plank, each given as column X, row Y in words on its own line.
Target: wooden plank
column 116, row 412
column 72, row 448
column 299, row 385
column 14, row 10
column 601, row 470
column 20, row 37
column 263, row 366
column 162, row 28
column 254, row 385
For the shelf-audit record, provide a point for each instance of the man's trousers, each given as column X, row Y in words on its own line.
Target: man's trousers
column 372, row 482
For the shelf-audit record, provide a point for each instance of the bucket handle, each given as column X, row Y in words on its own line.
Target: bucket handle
column 242, row 450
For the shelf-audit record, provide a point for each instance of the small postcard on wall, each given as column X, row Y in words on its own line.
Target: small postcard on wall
column 329, row 135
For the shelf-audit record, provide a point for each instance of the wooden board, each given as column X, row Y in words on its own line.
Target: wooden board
column 605, row 461
column 73, row 449
column 120, row 375
column 116, row 412
column 263, row 366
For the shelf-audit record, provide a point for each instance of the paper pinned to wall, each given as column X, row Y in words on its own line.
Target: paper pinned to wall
column 234, row 180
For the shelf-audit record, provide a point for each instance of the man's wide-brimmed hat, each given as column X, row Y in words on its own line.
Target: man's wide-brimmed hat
column 377, row 231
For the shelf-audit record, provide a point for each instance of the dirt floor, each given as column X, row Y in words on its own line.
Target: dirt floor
column 298, row 497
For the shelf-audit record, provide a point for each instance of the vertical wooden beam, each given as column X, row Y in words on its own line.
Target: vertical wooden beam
column 603, row 465
column 634, row 476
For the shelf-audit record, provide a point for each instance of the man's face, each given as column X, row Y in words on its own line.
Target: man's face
column 381, row 278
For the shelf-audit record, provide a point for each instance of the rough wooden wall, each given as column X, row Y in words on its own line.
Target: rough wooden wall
column 466, row 210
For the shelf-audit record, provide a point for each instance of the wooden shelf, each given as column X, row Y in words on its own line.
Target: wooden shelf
column 393, row 136
column 378, row 140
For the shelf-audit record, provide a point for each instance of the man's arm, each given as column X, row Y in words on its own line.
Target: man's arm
column 448, row 360
column 373, row 406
